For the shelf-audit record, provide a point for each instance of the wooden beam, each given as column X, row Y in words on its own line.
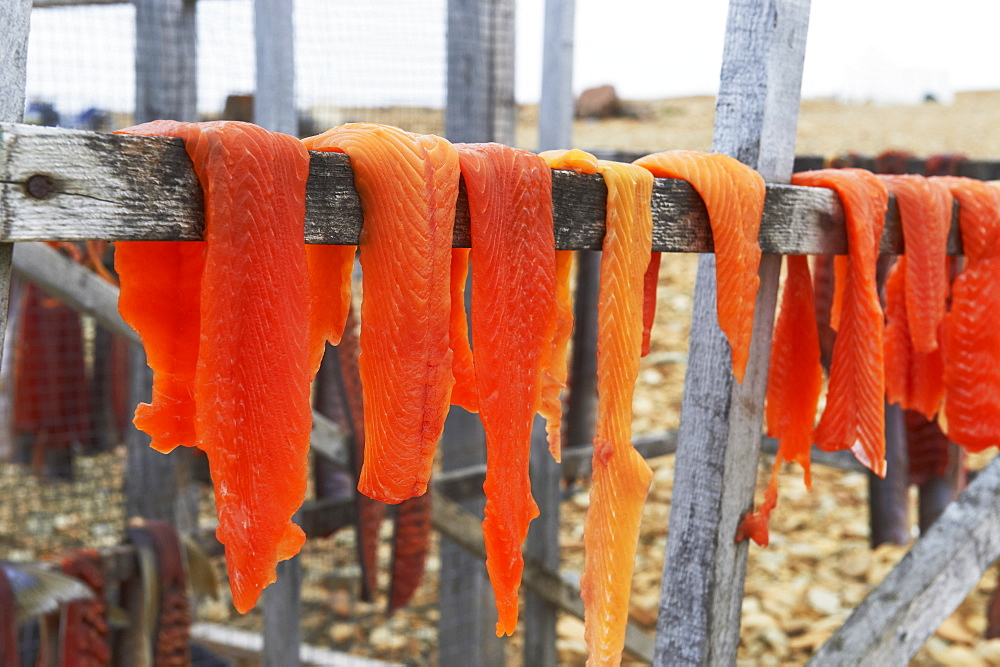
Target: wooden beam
column 896, row 618
column 58, row 184
column 719, row 435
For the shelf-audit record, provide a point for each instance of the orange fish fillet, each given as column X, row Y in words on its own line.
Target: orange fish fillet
column 914, row 380
column 251, row 381
column 734, row 197
column 464, row 393
column 556, row 368
column 650, row 283
column 854, row 417
column 330, row 269
column 513, row 321
column 925, row 209
column 408, row 186
column 621, row 476
column 794, row 383
column 972, row 326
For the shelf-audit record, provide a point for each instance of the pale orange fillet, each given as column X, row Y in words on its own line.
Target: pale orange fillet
column 621, row 476
column 854, row 417
column 734, row 197
column 925, row 211
column 972, row 325
column 408, row 185
column 513, row 321
column 556, row 369
column 794, row 383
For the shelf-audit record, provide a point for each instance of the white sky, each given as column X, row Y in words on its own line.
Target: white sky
column 392, row 51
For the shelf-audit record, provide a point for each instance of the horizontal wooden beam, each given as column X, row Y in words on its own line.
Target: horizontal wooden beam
column 896, row 618
column 58, row 184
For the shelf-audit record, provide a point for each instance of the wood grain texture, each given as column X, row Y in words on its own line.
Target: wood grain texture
column 165, row 60
column 125, row 188
column 896, row 618
column 719, row 434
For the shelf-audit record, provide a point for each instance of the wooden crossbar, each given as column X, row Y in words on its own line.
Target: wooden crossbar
column 58, row 184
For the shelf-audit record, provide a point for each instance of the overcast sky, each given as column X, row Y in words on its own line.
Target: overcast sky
column 392, row 51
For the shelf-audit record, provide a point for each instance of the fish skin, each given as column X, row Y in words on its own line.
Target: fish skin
column 84, row 637
column 513, row 322
column 794, row 384
column 9, row 654
column 972, row 325
column 464, row 394
column 330, row 268
column 408, row 185
column 734, row 197
column 823, row 289
column 925, row 211
column 251, row 381
column 854, row 417
column 411, row 542
column 927, row 446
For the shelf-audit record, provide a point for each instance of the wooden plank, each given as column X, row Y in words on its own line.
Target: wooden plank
column 719, row 435
column 15, row 17
column 889, row 497
column 246, row 645
column 90, row 185
column 581, row 404
column 464, row 529
column 555, row 106
column 896, row 618
column 274, row 100
column 165, row 60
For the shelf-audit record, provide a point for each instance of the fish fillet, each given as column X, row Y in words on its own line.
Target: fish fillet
column 794, row 383
column 650, row 283
column 513, row 322
column 464, row 393
column 854, row 417
column 734, row 197
column 556, row 368
column 621, row 477
column 330, row 269
column 408, row 186
column 251, row 380
column 972, row 325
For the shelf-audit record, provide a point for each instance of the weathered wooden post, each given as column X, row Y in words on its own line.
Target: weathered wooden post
column 15, row 17
column 479, row 107
column 555, row 130
column 719, row 437
column 274, row 108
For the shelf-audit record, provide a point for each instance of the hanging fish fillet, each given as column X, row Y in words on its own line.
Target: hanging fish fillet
column 411, row 543
column 464, row 393
column 236, row 340
column 734, row 197
column 650, row 283
column 556, row 368
column 854, row 417
column 513, row 323
column 85, row 632
column 408, row 186
column 330, row 269
column 621, row 476
column 794, row 383
column 972, row 326
column 925, row 211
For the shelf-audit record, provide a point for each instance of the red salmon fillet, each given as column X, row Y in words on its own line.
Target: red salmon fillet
column 734, row 197
column 556, row 367
column 408, row 186
column 972, row 326
column 330, row 269
column 650, row 283
column 794, row 383
column 621, row 477
column 914, row 380
column 513, row 321
column 925, row 210
column 464, row 393
column 854, row 417
column 251, row 382
column 411, row 541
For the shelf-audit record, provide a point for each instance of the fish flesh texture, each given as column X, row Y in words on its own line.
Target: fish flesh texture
column 242, row 322
column 556, row 368
column 408, row 185
column 621, row 477
column 513, row 322
column 972, row 325
column 734, row 198
column 854, row 417
column 650, row 283
column 794, row 383
column 330, row 268
column 464, row 393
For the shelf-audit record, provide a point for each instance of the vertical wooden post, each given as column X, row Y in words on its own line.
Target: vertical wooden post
column 555, row 130
column 274, row 108
column 15, row 17
column 888, row 498
column 165, row 87
column 479, row 107
column 719, row 437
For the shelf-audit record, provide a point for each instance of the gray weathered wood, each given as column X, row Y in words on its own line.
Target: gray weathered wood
column 719, row 435
column 274, row 100
column 889, row 497
column 15, row 17
column 555, row 106
column 282, row 615
column 165, row 60
column 464, row 528
column 542, row 546
column 898, row 616
column 122, row 188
